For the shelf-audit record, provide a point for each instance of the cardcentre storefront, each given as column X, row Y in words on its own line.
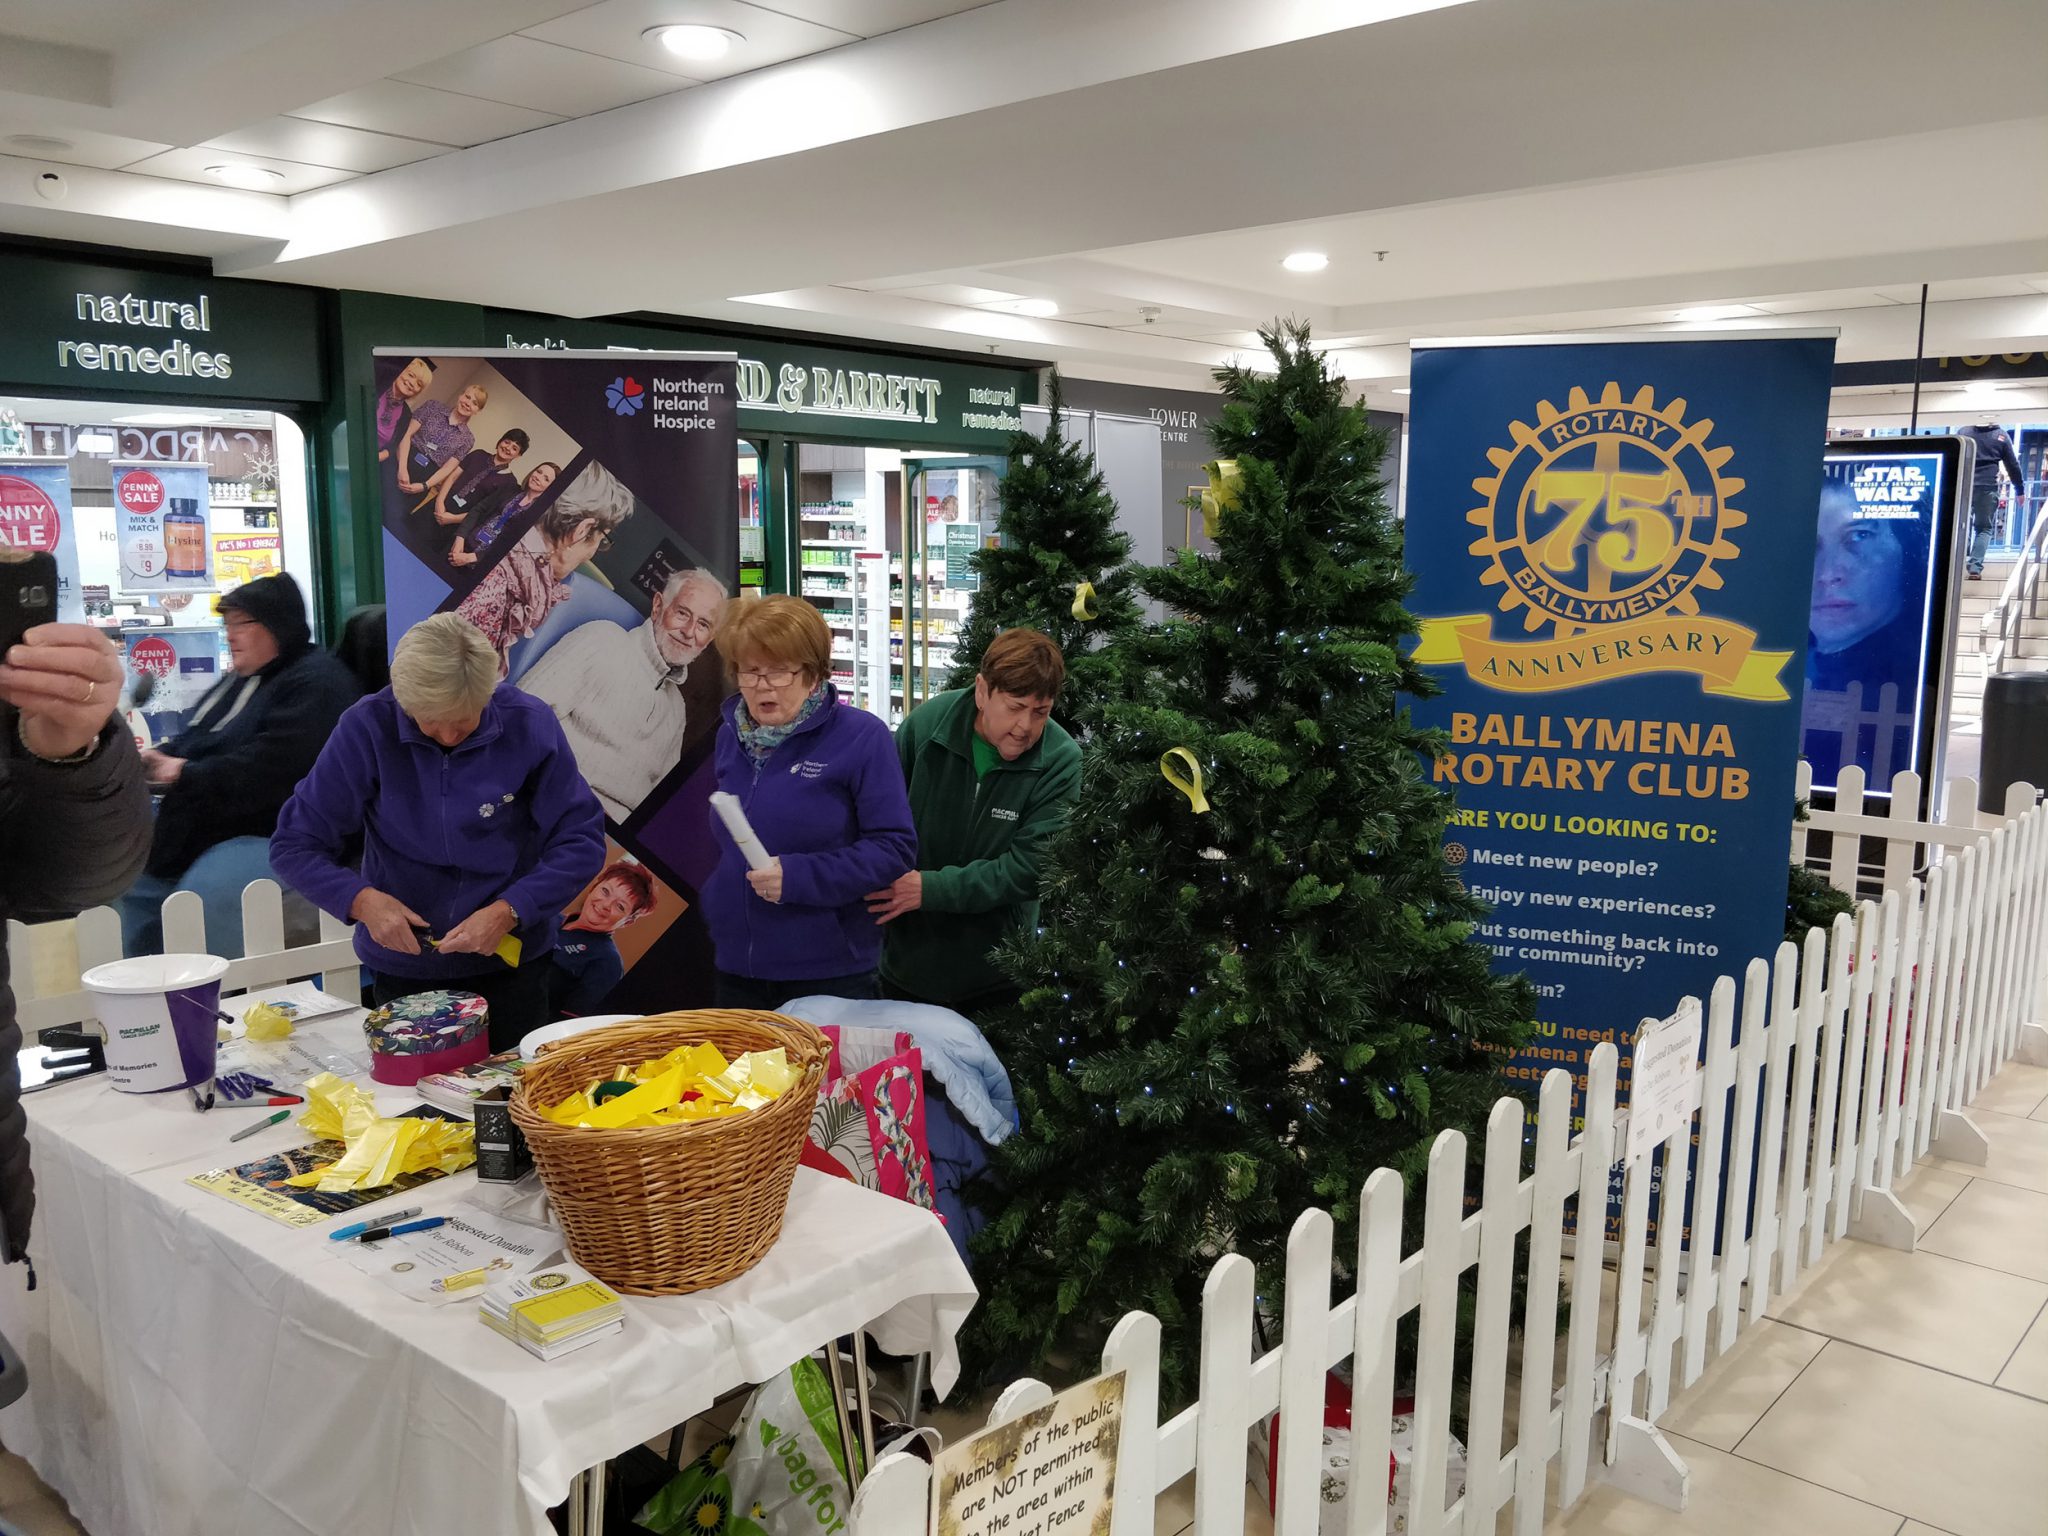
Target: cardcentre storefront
column 155, row 424
column 858, row 470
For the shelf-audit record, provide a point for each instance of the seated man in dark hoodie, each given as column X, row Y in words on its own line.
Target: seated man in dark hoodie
column 242, row 753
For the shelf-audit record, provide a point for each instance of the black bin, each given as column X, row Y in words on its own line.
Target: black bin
column 2015, row 736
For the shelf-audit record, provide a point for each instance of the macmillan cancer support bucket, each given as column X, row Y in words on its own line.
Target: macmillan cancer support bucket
column 161, row 1016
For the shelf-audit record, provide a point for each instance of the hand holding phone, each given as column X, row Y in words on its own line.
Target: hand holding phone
column 65, row 679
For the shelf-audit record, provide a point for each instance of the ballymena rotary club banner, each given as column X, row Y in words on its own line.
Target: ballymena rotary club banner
column 1613, row 548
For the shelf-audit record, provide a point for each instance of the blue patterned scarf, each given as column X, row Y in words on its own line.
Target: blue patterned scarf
column 760, row 740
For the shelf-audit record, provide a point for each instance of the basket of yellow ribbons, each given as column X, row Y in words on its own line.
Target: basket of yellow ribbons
column 668, row 1144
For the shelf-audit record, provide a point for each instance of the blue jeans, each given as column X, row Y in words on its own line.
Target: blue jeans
column 217, row 876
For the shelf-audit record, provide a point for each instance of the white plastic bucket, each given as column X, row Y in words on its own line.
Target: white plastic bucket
column 160, row 1013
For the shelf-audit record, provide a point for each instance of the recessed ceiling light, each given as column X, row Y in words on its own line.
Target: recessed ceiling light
column 1038, row 309
column 1305, row 261
column 94, row 442
column 693, row 41
column 252, row 178
column 39, row 143
column 1399, row 391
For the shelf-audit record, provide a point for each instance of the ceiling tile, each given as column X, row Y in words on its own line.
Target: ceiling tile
column 613, row 28
column 871, row 18
column 107, row 151
column 191, row 164
column 1820, row 303
column 345, row 149
column 420, row 112
column 546, row 77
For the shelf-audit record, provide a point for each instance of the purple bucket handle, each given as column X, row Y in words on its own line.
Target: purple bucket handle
column 195, row 1018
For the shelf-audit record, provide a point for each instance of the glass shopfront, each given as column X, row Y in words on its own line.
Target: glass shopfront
column 153, row 439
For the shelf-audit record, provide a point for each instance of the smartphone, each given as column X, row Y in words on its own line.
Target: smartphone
column 28, row 593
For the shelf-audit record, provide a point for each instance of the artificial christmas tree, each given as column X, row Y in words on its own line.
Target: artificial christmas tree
column 1256, row 982
column 1058, row 525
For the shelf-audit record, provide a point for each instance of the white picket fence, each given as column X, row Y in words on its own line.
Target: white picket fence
column 1854, row 1059
column 267, row 959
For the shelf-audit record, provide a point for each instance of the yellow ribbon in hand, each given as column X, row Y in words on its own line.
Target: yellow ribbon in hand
column 1084, row 600
column 1226, row 483
column 1190, row 783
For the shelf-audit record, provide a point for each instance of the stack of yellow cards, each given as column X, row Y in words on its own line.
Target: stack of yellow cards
column 553, row 1311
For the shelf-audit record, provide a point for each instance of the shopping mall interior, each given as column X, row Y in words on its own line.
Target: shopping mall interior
column 1316, row 373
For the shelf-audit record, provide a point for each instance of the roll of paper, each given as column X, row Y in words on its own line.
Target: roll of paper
column 742, row 830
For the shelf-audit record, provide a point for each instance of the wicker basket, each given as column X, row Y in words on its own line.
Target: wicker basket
column 666, row 1209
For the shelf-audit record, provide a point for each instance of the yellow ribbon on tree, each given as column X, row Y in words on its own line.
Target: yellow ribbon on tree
column 1189, row 783
column 1226, row 484
column 1084, row 600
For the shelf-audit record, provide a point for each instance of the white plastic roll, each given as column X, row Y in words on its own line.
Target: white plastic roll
column 742, row 830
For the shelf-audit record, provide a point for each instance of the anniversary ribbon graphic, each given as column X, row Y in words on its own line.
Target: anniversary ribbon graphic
column 1604, row 522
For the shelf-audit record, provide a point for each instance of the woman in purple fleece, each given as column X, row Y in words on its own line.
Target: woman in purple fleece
column 823, row 789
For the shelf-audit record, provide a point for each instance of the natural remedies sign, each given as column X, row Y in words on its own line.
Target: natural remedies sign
column 1613, row 548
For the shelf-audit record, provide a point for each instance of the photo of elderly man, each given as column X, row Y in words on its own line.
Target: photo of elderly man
column 619, row 692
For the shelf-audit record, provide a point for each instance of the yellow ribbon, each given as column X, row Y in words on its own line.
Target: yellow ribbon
column 1226, row 483
column 1084, row 600
column 1190, row 783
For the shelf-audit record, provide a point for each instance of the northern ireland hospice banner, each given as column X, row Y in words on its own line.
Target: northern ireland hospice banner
column 577, row 508
column 1613, row 548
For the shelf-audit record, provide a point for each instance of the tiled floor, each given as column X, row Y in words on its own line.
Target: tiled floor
column 1891, row 1395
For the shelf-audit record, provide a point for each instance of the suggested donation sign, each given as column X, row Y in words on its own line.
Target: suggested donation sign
column 577, row 508
column 1613, row 548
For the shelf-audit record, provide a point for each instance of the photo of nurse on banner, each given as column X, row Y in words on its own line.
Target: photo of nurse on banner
column 466, row 460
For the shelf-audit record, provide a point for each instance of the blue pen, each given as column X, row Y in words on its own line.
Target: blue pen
column 378, row 1234
column 356, row 1229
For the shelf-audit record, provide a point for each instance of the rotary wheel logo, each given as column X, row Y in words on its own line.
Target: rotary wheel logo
column 1605, row 512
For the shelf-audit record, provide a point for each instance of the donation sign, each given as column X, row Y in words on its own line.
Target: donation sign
column 160, row 527
column 576, row 507
column 1612, row 544
column 35, row 518
column 1047, row 1473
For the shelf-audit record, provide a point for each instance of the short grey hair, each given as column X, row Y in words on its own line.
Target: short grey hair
column 679, row 579
column 443, row 669
column 596, row 494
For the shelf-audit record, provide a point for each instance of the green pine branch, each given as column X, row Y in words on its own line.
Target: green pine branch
column 1058, row 527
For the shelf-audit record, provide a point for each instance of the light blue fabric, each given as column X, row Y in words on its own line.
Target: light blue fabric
column 218, row 876
column 955, row 1052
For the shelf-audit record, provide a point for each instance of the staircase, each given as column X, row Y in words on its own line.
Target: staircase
column 2030, row 651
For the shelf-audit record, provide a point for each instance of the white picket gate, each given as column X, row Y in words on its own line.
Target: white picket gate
column 267, row 959
column 1854, row 1059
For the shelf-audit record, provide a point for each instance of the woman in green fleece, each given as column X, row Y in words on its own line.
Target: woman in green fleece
column 991, row 776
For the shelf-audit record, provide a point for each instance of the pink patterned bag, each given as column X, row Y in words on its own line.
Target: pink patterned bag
column 869, row 1123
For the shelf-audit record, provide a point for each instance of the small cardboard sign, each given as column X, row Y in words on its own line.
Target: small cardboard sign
column 1051, row 1472
column 1665, row 1080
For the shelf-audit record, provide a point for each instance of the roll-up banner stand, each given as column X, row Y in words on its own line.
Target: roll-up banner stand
column 576, row 506
column 1613, row 550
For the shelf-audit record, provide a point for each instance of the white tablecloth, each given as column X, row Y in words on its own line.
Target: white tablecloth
column 196, row 1367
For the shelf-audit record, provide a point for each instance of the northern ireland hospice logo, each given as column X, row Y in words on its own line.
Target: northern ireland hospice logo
column 625, row 396
column 1603, row 524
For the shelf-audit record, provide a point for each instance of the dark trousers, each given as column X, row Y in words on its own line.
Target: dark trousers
column 767, row 994
column 517, row 995
column 978, row 1008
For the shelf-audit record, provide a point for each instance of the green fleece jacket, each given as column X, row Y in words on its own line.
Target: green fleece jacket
column 978, row 845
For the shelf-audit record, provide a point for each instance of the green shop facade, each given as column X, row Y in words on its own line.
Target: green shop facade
column 162, row 358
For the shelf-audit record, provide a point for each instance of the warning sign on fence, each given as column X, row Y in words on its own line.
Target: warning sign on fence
column 1049, row 1473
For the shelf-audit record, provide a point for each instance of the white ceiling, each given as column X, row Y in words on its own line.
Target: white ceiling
column 912, row 170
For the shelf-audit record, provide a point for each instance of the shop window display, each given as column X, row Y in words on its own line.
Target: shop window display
column 220, row 497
